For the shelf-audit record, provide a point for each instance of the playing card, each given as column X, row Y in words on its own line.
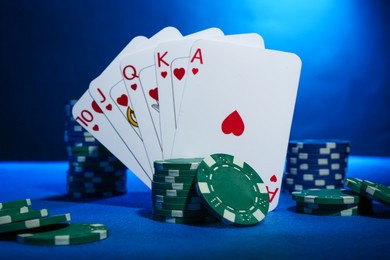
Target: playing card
column 140, row 79
column 239, row 100
column 89, row 115
column 118, row 95
column 173, row 90
column 164, row 54
column 99, row 89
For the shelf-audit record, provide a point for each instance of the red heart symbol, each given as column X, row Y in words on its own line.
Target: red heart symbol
column 273, row 178
column 95, row 128
column 109, row 107
column 179, row 73
column 194, row 71
column 153, row 93
column 164, row 74
column 96, row 108
column 233, row 124
column 134, row 86
column 122, row 100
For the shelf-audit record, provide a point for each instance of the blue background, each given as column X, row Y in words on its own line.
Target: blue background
column 51, row 50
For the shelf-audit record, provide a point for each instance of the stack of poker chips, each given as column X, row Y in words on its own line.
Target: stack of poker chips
column 331, row 202
column 316, row 164
column 174, row 195
column 93, row 171
column 37, row 227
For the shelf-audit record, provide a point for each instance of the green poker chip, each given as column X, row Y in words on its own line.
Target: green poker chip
column 325, row 196
column 23, row 216
column 329, row 212
column 232, row 190
column 376, row 191
column 184, row 206
column 174, row 193
column 65, row 234
column 181, row 213
column 176, row 173
column 177, row 164
column 325, row 206
column 15, row 204
column 172, row 186
column 14, row 211
column 171, row 179
column 187, row 220
column 34, row 223
column 176, row 200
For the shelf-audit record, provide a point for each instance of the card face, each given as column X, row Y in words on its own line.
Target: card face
column 164, row 54
column 178, row 72
column 99, row 89
column 139, row 75
column 239, row 100
column 89, row 115
column 118, row 95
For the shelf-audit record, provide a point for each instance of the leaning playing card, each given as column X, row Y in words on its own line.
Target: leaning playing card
column 239, row 100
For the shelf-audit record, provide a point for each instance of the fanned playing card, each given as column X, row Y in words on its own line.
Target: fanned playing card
column 240, row 101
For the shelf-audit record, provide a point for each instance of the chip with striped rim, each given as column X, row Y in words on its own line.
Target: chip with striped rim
column 178, row 220
column 326, row 212
column 65, row 234
column 325, row 196
column 13, row 211
column 15, row 204
column 377, row 191
column 232, row 190
column 34, row 223
column 177, row 164
column 23, row 216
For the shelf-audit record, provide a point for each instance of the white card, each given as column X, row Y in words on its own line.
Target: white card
column 240, row 102
column 89, row 115
column 139, row 77
column 100, row 90
column 164, row 54
column 178, row 71
column 118, row 95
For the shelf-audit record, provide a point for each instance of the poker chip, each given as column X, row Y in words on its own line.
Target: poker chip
column 171, row 179
column 15, row 204
column 316, row 164
column 177, row 164
column 11, row 218
column 319, row 146
column 93, row 170
column 329, row 212
column 65, row 234
column 325, row 206
column 232, row 190
column 37, row 227
column 16, row 210
column 376, row 191
column 187, row 220
column 34, row 223
column 185, row 206
column 325, row 196
column 176, row 200
column 174, row 195
column 172, row 186
column 176, row 173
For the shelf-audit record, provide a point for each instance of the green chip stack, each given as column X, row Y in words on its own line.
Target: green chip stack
column 174, row 195
column 330, row 202
column 93, row 171
column 312, row 164
column 18, row 220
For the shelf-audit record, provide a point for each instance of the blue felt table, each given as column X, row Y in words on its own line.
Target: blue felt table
column 133, row 235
